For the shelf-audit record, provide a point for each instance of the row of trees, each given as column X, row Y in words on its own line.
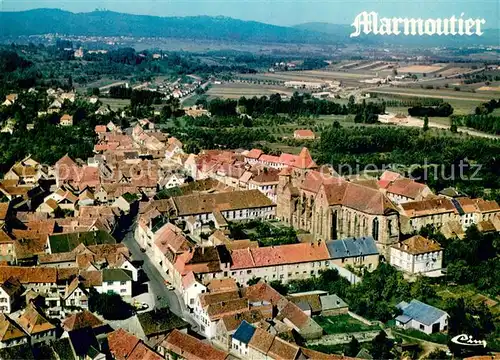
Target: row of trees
column 473, row 259
column 379, row 291
column 299, row 104
column 444, row 160
column 442, row 110
column 487, row 107
column 486, row 123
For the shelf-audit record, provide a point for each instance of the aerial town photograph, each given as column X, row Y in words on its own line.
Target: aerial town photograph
column 249, row 179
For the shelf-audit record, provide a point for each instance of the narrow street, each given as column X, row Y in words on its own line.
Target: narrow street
column 156, row 281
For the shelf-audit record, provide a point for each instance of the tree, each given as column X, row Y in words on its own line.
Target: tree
column 253, row 281
column 279, row 287
column 422, row 290
column 110, row 306
column 468, row 318
column 437, row 354
column 352, row 348
column 426, row 123
column 453, row 128
column 382, row 346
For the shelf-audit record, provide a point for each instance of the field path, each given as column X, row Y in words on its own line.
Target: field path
column 111, row 85
column 416, row 122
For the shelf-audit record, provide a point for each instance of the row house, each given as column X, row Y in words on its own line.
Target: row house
column 28, row 171
column 92, row 257
column 178, row 345
column 284, row 263
column 223, row 307
column 194, row 269
column 168, row 243
column 79, row 177
column 236, row 205
column 11, row 333
column 444, row 212
column 400, row 189
column 255, row 343
column 36, row 325
column 434, row 212
column 10, row 295
column 256, row 156
column 475, row 211
column 123, row 345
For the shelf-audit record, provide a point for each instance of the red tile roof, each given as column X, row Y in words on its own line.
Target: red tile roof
column 282, row 350
column 121, row 344
column 29, row 274
column 294, row 314
column 254, row 154
column 142, row 352
column 190, row 348
column 303, row 133
column 4, row 207
column 428, row 207
column 80, row 320
column 276, row 255
column 101, row 129
column 358, row 197
column 406, row 187
column 387, row 177
column 417, row 245
column 33, row 321
column 264, row 292
column 169, row 237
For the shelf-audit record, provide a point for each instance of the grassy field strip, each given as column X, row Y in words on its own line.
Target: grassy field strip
column 435, row 95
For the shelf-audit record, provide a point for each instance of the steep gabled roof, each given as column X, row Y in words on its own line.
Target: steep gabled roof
column 33, row 321
column 9, row 329
column 358, row 197
column 191, row 348
column 80, row 320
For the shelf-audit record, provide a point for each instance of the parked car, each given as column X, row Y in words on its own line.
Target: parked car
column 140, row 306
column 143, row 250
column 170, row 287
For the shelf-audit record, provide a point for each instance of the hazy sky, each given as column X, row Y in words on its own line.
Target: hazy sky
column 280, row 12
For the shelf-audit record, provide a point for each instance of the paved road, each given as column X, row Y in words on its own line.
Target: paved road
column 203, row 86
column 156, row 280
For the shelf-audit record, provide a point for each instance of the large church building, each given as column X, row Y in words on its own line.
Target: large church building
column 330, row 207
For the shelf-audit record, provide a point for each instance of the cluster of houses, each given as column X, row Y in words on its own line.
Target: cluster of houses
column 57, row 243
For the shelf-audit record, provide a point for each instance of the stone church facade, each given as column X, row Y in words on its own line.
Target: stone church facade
column 332, row 208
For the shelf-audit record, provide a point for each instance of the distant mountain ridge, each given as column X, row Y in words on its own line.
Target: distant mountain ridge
column 107, row 23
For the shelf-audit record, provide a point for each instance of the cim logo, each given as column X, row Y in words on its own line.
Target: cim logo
column 468, row 340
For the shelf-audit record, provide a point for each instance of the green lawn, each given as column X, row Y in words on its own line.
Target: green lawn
column 440, row 338
column 328, row 349
column 343, row 324
column 115, row 104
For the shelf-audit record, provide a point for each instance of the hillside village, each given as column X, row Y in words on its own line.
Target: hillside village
column 147, row 251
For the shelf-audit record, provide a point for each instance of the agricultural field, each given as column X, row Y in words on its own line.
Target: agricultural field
column 445, row 94
column 420, row 69
column 349, row 78
column 237, row 90
column 115, row 104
